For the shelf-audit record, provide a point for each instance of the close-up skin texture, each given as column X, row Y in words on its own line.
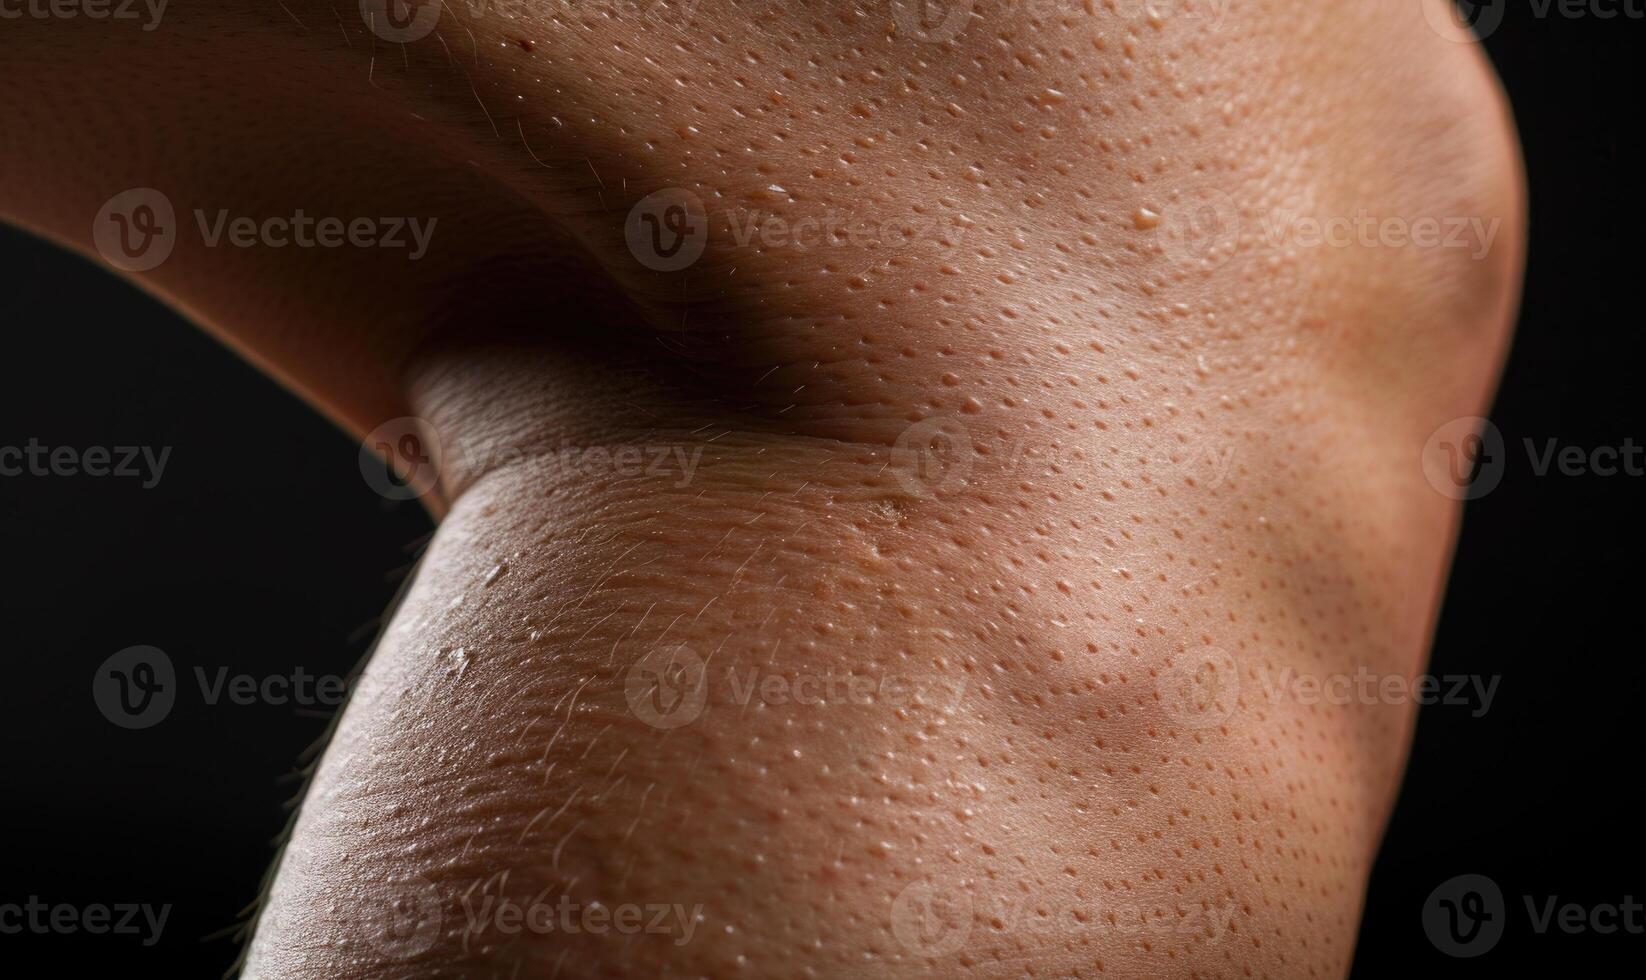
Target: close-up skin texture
column 936, row 576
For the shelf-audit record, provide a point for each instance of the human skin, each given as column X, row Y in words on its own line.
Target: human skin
column 1170, row 477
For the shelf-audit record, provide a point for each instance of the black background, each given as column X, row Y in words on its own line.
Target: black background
column 263, row 549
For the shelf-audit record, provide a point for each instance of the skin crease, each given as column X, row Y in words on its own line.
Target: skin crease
column 1170, row 477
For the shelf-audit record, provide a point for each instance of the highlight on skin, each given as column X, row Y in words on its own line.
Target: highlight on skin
column 900, row 469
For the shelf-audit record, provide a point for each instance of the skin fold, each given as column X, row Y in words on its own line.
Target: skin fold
column 929, row 578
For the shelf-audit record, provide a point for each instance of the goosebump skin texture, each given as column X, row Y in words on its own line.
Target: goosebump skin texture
column 1028, row 404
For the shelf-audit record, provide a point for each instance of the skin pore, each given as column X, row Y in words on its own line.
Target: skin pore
column 929, row 578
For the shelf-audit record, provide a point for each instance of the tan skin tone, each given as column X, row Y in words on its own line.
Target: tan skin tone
column 1172, row 474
